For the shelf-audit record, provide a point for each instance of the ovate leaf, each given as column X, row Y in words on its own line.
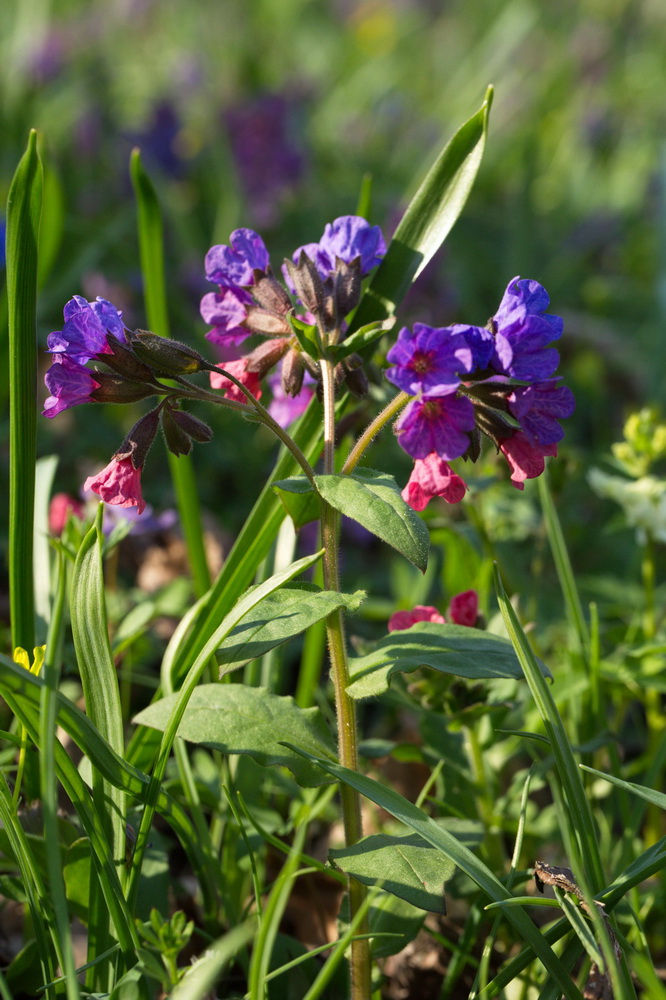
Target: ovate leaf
column 408, row 867
column 279, row 617
column 373, row 500
column 298, row 499
column 450, row 649
column 236, row 719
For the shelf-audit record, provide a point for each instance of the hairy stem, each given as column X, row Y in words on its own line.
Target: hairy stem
column 345, row 706
column 372, row 430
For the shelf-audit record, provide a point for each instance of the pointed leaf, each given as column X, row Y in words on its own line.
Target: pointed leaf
column 408, row 867
column 429, row 218
column 373, row 499
column 236, row 719
column 279, row 617
column 450, row 649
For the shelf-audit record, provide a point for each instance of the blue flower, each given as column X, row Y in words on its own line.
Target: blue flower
column 436, row 423
column 85, row 331
column 430, row 359
column 538, row 407
column 69, row 383
column 523, row 330
column 233, row 266
column 346, row 238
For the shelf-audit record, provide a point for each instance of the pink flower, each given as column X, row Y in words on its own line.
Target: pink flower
column 61, row 506
column 526, row 460
column 238, row 369
column 464, row 608
column 119, row 483
column 421, row 613
column 432, row 477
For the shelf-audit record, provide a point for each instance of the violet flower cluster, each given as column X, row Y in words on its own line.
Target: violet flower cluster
column 497, row 380
column 324, row 284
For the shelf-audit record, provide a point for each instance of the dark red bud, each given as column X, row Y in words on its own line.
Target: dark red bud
column 116, row 389
column 347, row 283
column 137, row 443
column 263, row 357
column 197, row 429
column 124, row 361
column 178, row 441
column 268, row 323
column 293, row 370
column 307, row 282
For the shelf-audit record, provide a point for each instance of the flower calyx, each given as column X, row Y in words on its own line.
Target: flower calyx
column 181, row 428
column 166, row 358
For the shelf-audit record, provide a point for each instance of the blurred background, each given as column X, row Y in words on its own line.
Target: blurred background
column 269, row 113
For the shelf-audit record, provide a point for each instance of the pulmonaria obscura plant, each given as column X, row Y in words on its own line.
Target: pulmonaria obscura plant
column 298, row 337
column 458, row 382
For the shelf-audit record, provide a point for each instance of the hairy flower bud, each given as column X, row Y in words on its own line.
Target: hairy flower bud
column 116, row 389
column 355, row 377
column 263, row 357
column 308, row 284
column 266, row 322
column 122, row 360
column 137, row 444
column 197, row 429
column 269, row 293
column 347, row 282
column 166, row 357
column 293, row 370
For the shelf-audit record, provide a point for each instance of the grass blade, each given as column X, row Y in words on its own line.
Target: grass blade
column 151, row 250
column 24, row 206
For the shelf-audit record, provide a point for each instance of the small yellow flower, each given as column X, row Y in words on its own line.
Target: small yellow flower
column 21, row 657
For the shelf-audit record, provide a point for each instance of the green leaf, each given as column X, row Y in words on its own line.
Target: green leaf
column 444, row 841
column 279, row 617
column 201, row 976
column 395, row 922
column 643, row 792
column 236, row 719
column 408, row 867
column 373, row 500
column 298, row 499
column 360, row 339
column 450, row 649
column 307, row 336
column 429, row 218
column 24, row 205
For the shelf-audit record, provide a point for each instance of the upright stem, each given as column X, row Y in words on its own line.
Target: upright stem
column 345, row 706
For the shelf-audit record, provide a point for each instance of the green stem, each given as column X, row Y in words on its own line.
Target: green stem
column 648, row 572
column 390, row 410
column 345, row 706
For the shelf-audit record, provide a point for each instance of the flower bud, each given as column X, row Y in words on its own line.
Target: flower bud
column 197, row 429
column 355, row 377
column 263, row 357
column 269, row 293
column 178, row 441
column 347, row 282
column 116, row 389
column 124, row 361
column 137, row 444
column 293, row 370
column 307, row 282
column 166, row 357
column 266, row 322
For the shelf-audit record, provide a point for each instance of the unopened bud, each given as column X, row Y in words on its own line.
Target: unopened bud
column 116, row 389
column 307, row 282
column 266, row 322
column 178, row 441
column 137, row 443
column 166, row 357
column 263, row 357
column 347, row 283
column 124, row 361
column 269, row 293
column 293, row 370
column 356, row 379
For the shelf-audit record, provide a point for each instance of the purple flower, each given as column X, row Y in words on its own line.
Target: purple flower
column 86, row 326
column 538, row 407
column 430, row 359
column 347, row 237
column 226, row 312
column 232, row 266
column 439, row 424
column 522, row 330
column 69, row 384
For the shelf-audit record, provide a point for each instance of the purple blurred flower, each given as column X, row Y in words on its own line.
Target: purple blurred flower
column 233, row 266
column 226, row 311
column 268, row 159
column 284, row 408
column 86, row 326
column 538, row 407
column 438, row 424
column 430, row 359
column 69, row 384
column 522, row 330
